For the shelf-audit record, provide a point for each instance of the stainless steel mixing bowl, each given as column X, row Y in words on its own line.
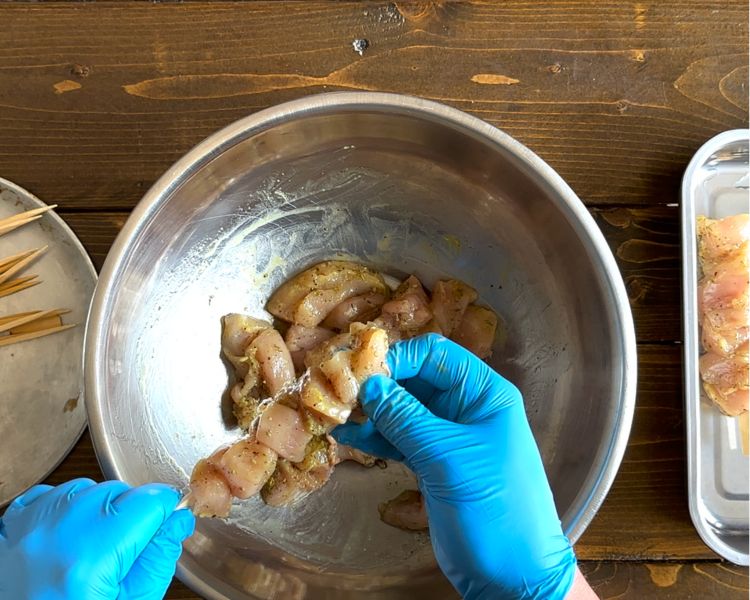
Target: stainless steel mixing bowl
column 405, row 185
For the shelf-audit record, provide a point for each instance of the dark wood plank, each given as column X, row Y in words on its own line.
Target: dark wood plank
column 645, row 242
column 646, row 245
column 97, row 100
column 645, row 515
column 667, row 581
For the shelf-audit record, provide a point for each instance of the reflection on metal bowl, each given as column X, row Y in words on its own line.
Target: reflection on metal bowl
column 407, row 186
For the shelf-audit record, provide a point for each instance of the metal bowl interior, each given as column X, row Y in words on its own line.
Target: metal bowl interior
column 404, row 185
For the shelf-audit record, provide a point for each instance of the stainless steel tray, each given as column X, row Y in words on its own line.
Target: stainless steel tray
column 715, row 185
column 41, row 381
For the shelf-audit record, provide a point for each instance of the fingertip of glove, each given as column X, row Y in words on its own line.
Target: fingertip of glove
column 148, row 497
column 166, row 494
column 184, row 524
column 344, row 434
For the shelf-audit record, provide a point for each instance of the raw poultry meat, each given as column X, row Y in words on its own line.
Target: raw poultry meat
column 723, row 248
column 308, row 298
column 291, row 392
column 405, row 511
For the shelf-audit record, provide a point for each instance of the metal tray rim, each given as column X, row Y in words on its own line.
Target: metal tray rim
column 691, row 350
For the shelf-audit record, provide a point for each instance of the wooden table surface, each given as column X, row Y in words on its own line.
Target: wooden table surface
column 97, row 100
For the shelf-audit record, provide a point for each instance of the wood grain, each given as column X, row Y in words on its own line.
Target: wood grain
column 97, row 100
column 645, row 515
column 667, row 581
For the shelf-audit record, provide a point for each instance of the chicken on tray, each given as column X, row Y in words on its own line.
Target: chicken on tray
column 338, row 319
column 723, row 248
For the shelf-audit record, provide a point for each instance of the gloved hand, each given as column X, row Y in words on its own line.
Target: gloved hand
column 462, row 429
column 83, row 540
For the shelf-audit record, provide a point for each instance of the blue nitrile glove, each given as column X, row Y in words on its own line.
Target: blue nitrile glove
column 83, row 540
column 493, row 523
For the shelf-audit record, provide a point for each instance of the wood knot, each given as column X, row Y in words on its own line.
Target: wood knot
column 622, row 105
column 80, row 71
column 617, row 217
column 638, row 55
column 555, row 68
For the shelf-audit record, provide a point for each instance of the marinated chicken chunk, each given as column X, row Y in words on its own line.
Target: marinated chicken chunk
column 408, row 312
column 449, row 301
column 405, row 511
column 476, row 331
column 210, row 495
column 359, row 309
column 307, row 298
column 300, row 339
column 263, row 364
column 246, row 466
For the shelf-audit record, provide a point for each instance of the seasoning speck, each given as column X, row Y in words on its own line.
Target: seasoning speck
column 360, row 45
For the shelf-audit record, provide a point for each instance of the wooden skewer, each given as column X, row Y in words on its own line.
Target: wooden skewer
column 38, row 325
column 8, row 262
column 22, row 337
column 52, row 313
column 26, row 214
column 8, row 227
column 19, row 286
column 744, row 432
column 21, row 264
column 16, row 281
column 25, row 319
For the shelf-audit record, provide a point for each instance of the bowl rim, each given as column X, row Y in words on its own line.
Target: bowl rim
column 588, row 501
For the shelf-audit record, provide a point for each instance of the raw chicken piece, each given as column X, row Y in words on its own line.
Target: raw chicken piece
column 338, row 371
column 238, row 331
column 300, row 339
column 718, row 239
column 261, row 360
column 405, row 511
column 407, row 312
column 319, row 303
column 449, row 301
column 246, row 466
column 325, row 351
column 476, row 331
column 725, row 379
column 731, row 403
column 724, row 339
column 236, row 334
column 308, row 297
column 370, row 349
column 723, row 290
column 344, row 453
column 289, row 484
column 272, row 355
column 281, row 429
column 726, row 372
column 358, row 309
column 319, row 397
column 210, row 495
